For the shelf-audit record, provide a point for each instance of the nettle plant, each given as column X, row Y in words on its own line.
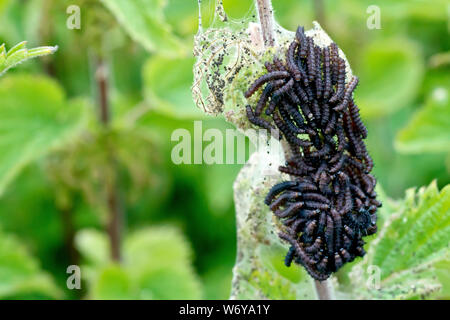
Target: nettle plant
column 21, row 274
column 86, row 145
column 299, row 85
column 87, row 149
column 19, row 54
column 9, row 59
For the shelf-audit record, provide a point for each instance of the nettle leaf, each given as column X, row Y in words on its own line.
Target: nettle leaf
column 410, row 248
column 20, row 274
column 19, row 54
column 19, row 19
column 84, row 162
column 391, row 72
column 113, row 283
column 167, row 86
column 429, row 129
column 35, row 117
column 145, row 22
column 157, row 264
column 93, row 246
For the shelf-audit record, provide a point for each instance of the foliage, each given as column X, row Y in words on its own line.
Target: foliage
column 167, row 86
column 429, row 129
column 145, row 22
column 35, row 117
column 393, row 68
column 19, row 53
column 20, row 274
column 139, row 277
column 410, row 251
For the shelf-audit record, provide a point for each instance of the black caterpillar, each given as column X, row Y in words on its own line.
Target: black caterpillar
column 330, row 203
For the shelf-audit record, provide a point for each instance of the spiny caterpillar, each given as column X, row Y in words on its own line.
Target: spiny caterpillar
column 330, row 203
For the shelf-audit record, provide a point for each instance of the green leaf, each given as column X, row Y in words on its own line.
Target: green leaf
column 169, row 284
column 390, row 75
column 35, row 117
column 157, row 264
column 441, row 271
column 113, row 283
column 222, row 199
column 429, row 129
column 20, row 273
column 19, row 54
column 163, row 244
column 167, row 86
column 20, row 20
column 93, row 246
column 419, row 233
column 164, row 271
column 145, row 22
column 411, row 244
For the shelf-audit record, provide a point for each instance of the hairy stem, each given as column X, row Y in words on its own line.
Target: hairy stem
column 265, row 13
column 324, row 290
column 102, row 85
column 319, row 12
column 115, row 223
column 115, row 214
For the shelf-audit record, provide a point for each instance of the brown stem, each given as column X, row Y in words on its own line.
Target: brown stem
column 115, row 214
column 324, row 290
column 265, row 13
column 319, row 10
column 115, row 223
column 101, row 77
column 69, row 235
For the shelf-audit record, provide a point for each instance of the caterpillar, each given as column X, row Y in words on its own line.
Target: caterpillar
column 329, row 203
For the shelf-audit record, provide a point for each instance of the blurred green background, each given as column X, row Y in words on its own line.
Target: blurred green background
column 65, row 171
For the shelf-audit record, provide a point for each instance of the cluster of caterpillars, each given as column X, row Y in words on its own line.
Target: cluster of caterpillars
column 329, row 204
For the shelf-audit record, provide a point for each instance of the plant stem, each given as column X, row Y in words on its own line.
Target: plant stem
column 324, row 290
column 319, row 12
column 102, row 85
column 115, row 214
column 115, row 223
column 265, row 13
